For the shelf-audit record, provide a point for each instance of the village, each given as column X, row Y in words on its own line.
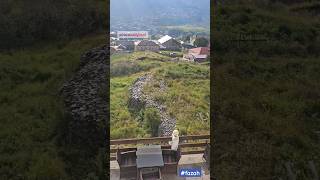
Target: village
column 190, row 48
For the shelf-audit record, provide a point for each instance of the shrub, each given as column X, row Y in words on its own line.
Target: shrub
column 201, row 42
column 124, row 68
column 152, row 121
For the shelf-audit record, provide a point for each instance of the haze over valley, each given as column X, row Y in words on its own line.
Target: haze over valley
column 150, row 15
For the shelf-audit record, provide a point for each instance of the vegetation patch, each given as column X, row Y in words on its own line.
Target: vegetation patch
column 182, row 87
column 32, row 114
column 263, row 91
column 188, row 28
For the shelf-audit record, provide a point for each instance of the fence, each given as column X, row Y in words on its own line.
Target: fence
column 192, row 144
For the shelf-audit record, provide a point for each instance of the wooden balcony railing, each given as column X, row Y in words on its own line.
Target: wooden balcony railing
column 192, row 144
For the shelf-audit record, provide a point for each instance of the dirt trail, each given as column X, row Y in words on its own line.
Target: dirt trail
column 139, row 99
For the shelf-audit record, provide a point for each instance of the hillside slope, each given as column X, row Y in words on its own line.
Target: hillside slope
column 180, row 90
column 33, row 120
column 266, row 93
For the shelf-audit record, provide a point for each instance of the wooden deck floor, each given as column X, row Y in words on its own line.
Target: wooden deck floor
column 186, row 161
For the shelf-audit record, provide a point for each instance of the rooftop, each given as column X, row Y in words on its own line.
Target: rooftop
column 200, row 51
column 164, row 39
column 199, row 56
column 146, row 43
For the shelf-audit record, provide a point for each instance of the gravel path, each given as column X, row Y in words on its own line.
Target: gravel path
column 139, row 99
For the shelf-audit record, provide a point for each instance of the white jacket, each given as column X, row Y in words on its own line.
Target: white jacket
column 175, row 140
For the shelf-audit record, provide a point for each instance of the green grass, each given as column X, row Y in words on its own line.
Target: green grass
column 187, row 97
column 31, row 109
column 122, row 123
column 265, row 94
column 189, row 105
column 189, row 28
column 167, row 53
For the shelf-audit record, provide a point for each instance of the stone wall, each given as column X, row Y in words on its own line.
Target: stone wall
column 86, row 100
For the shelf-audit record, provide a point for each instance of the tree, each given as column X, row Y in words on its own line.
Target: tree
column 174, row 32
column 186, row 38
column 152, row 121
column 201, row 42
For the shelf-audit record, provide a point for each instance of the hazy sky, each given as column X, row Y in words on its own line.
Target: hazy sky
column 194, row 10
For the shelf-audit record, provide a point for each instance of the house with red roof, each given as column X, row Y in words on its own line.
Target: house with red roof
column 199, row 54
column 200, row 51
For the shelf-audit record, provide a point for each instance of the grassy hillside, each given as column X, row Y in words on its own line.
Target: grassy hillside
column 188, row 29
column 186, row 95
column 23, row 23
column 32, row 117
column 266, row 95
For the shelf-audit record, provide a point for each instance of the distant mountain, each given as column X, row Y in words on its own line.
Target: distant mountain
column 161, row 12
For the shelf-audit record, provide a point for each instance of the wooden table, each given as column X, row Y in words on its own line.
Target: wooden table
column 149, row 158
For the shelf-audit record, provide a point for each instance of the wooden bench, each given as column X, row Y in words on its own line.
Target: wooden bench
column 150, row 174
column 171, row 159
column 127, row 163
